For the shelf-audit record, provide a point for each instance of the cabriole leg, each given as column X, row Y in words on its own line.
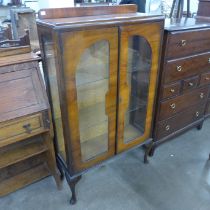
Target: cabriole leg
column 147, row 152
column 72, row 183
column 199, row 127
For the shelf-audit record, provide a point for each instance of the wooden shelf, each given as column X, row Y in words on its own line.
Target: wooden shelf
column 16, row 155
column 93, row 147
column 23, row 179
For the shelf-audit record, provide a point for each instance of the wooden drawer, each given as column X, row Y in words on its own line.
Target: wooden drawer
column 189, row 84
column 178, row 104
column 171, row 90
column 184, row 43
column 208, row 108
column 185, row 67
column 22, row 128
column 179, row 121
column 205, row 79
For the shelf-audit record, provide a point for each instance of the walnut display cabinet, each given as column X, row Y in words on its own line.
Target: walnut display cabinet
column 101, row 66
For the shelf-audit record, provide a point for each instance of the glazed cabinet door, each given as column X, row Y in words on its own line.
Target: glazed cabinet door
column 139, row 62
column 90, row 60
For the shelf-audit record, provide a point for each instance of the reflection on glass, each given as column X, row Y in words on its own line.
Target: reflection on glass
column 138, row 76
column 53, row 85
column 92, row 81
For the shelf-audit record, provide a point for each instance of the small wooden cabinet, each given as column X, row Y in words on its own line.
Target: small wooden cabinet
column 184, row 78
column 101, row 66
column 26, row 138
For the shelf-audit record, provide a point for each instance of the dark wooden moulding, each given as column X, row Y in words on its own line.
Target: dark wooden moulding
column 115, row 21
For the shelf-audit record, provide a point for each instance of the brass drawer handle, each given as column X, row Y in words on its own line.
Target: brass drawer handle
column 173, row 106
column 201, row 95
column 183, row 42
column 28, row 128
column 167, row 127
column 191, row 84
column 197, row 114
column 179, row 68
column 207, row 78
column 172, row 90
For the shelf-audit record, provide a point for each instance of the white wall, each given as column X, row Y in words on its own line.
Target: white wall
column 55, row 3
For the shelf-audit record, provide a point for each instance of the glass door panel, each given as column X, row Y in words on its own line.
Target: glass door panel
column 139, row 59
column 138, row 76
column 90, row 70
column 92, row 84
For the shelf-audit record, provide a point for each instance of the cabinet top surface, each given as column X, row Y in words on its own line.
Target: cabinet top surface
column 86, row 16
column 15, row 59
column 73, row 21
column 186, row 24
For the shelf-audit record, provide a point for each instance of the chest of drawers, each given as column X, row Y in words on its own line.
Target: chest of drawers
column 184, row 79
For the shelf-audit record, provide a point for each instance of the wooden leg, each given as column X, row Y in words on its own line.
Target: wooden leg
column 152, row 151
column 72, row 183
column 147, row 152
column 199, row 127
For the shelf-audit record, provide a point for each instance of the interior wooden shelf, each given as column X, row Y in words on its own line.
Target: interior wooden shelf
column 23, row 179
column 131, row 132
column 92, row 115
column 94, row 147
column 13, row 156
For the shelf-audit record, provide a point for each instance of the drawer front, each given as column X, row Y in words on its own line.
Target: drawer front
column 185, row 67
column 179, row 121
column 191, row 83
column 178, row 104
column 22, row 128
column 208, row 108
column 205, row 79
column 188, row 42
column 171, row 90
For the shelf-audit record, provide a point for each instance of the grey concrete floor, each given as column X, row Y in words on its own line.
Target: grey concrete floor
column 177, row 178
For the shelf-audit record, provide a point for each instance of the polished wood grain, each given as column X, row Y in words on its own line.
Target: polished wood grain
column 175, row 105
column 87, row 38
column 177, row 122
column 152, row 33
column 185, row 42
column 171, row 90
column 177, row 69
column 85, row 11
column 190, row 83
